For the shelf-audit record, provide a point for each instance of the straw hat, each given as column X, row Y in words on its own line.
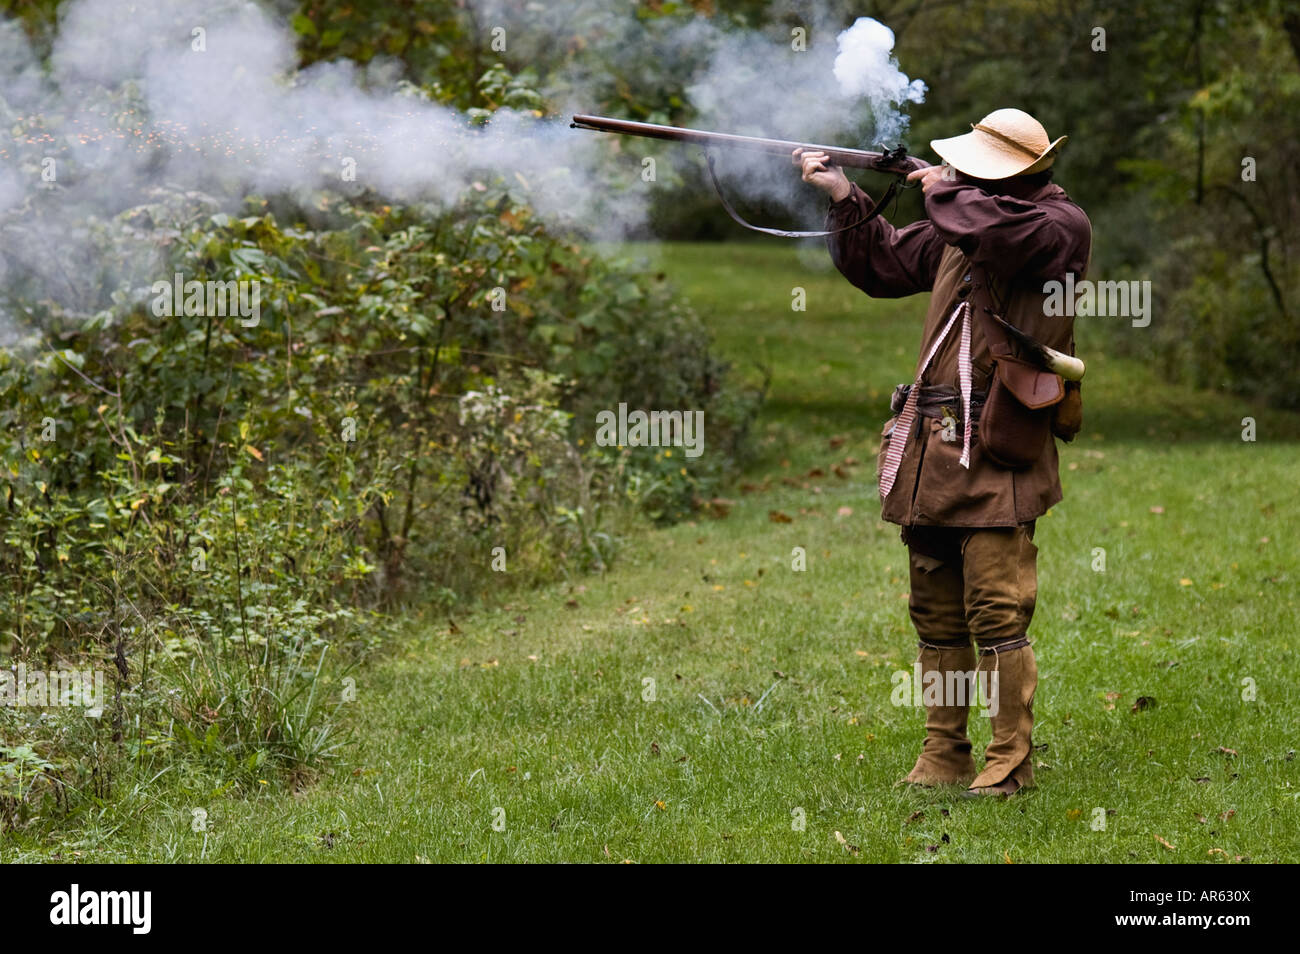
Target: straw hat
column 1005, row 143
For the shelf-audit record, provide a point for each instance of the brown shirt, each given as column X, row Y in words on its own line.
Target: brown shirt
column 1005, row 246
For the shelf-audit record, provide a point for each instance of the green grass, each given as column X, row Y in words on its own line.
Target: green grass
column 538, row 708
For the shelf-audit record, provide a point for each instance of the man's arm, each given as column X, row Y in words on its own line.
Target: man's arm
column 883, row 261
column 1007, row 235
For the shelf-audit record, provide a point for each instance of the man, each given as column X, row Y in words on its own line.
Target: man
column 967, row 498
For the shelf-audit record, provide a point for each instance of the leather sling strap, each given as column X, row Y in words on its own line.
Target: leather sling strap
column 784, row 233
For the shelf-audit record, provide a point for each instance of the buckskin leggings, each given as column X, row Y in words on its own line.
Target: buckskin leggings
column 972, row 582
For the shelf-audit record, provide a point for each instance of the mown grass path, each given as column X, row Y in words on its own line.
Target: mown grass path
column 768, row 700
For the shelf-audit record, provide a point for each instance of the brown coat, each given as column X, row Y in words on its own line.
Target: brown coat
column 1019, row 239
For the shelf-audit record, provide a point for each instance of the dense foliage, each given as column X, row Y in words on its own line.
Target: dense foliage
column 233, row 499
column 224, row 511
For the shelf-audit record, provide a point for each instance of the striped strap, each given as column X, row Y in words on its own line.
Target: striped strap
column 907, row 416
column 963, row 379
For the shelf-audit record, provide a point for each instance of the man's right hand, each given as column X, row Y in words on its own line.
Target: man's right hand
column 818, row 170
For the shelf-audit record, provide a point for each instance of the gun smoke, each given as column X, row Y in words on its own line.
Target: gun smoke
column 203, row 99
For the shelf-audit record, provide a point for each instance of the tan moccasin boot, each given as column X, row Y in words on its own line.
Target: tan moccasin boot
column 946, row 755
column 1009, row 758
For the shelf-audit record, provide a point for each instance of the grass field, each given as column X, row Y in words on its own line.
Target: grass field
column 704, row 701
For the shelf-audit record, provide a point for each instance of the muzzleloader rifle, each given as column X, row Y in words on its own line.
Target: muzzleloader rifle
column 893, row 161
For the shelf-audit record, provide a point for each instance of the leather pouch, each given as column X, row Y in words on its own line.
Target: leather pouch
column 1017, row 417
column 1067, row 417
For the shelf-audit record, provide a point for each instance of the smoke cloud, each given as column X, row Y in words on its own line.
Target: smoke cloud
column 203, row 99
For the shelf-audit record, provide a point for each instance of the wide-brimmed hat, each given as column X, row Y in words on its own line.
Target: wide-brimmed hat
column 1005, row 143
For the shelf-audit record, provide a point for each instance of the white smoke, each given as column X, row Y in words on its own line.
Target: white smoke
column 770, row 87
column 840, row 87
column 866, row 69
column 203, row 98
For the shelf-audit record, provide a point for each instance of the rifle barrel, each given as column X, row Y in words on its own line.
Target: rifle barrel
column 894, row 161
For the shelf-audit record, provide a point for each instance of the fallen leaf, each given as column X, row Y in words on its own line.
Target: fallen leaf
column 1163, row 842
column 1143, row 702
column 776, row 516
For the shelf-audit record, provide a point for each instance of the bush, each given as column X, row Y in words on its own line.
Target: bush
column 224, row 504
column 225, row 511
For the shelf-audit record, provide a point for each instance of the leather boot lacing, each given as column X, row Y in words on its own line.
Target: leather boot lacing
column 996, row 650
column 940, row 648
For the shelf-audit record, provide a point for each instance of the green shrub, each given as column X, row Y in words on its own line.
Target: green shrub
column 225, row 506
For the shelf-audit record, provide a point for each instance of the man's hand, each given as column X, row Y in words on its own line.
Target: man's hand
column 818, row 170
column 932, row 174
